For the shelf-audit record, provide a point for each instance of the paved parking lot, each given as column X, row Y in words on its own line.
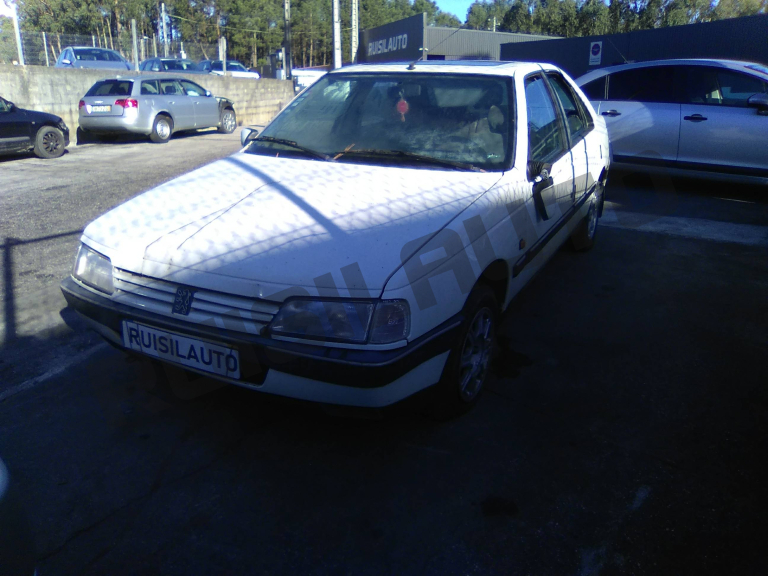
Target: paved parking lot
column 624, row 430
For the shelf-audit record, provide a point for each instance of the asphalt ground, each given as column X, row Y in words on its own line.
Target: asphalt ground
column 623, row 431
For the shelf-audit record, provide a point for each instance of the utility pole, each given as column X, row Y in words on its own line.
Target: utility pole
column 353, row 37
column 165, row 32
column 135, row 45
column 336, row 35
column 494, row 23
column 15, row 18
column 287, row 40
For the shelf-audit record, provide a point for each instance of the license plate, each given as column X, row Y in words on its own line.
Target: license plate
column 101, row 108
column 199, row 354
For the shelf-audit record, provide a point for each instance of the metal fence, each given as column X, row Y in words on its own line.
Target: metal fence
column 43, row 48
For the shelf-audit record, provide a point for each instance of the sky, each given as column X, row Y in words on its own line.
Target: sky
column 456, row 7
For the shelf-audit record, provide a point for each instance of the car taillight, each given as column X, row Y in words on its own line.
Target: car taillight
column 127, row 103
column 81, row 104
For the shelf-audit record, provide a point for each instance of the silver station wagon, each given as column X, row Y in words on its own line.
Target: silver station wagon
column 156, row 107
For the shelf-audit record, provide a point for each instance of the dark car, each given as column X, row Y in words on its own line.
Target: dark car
column 170, row 65
column 22, row 130
column 87, row 57
column 17, row 554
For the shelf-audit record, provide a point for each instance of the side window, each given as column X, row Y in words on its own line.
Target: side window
column 4, row 106
column 575, row 115
column 169, row 87
column 643, row 85
column 149, row 87
column 546, row 140
column 736, row 88
column 595, row 90
column 192, row 89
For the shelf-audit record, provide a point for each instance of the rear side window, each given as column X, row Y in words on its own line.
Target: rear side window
column 111, row 88
column 545, row 138
column 575, row 115
column 643, row 85
column 149, row 87
column 595, row 90
column 169, row 87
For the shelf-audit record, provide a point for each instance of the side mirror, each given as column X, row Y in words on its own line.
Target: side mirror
column 538, row 173
column 759, row 101
column 247, row 134
column 208, row 93
column 67, row 62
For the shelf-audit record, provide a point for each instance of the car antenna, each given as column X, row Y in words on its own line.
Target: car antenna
column 617, row 49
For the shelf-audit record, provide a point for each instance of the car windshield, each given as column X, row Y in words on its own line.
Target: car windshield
column 462, row 119
column 111, row 88
column 97, row 54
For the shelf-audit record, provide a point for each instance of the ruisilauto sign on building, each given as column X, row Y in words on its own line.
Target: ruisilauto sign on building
column 401, row 40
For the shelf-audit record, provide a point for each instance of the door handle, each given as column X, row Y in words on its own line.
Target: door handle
column 172, row 102
column 695, row 118
column 611, row 113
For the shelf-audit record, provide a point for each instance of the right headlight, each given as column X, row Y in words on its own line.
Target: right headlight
column 353, row 321
column 93, row 269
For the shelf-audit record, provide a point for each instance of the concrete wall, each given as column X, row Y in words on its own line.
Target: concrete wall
column 58, row 91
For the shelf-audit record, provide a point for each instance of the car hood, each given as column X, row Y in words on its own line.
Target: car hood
column 257, row 225
column 41, row 117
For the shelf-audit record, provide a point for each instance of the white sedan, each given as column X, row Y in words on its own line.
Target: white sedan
column 362, row 247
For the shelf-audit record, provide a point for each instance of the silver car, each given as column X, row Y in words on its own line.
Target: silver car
column 157, row 107
column 707, row 116
column 88, row 57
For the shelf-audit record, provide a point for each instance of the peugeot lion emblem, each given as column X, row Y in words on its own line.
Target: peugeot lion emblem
column 182, row 304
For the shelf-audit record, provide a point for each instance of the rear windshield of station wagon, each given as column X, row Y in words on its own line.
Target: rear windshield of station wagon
column 454, row 118
column 111, row 88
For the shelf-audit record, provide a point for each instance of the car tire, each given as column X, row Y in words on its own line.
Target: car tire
column 583, row 236
column 83, row 136
column 49, row 142
column 161, row 129
column 469, row 361
column 228, row 121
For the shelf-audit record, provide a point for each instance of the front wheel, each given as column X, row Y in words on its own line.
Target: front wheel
column 468, row 364
column 161, row 129
column 49, row 142
column 228, row 121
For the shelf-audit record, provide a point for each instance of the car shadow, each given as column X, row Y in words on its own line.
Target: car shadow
column 123, row 139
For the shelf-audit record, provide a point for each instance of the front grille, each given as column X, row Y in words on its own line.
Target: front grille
column 208, row 308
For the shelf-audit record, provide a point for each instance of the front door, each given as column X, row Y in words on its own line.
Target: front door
column 14, row 128
column 718, row 128
column 206, row 107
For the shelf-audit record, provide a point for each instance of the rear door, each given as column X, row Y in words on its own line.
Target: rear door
column 181, row 106
column 642, row 113
column 206, row 107
column 719, row 130
column 15, row 131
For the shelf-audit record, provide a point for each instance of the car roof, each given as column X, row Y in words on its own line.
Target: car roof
column 721, row 63
column 489, row 67
column 90, row 48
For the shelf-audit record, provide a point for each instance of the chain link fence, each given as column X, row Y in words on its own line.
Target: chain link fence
column 44, row 48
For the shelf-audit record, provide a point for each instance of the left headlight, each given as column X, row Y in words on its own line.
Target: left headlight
column 93, row 269
column 350, row 321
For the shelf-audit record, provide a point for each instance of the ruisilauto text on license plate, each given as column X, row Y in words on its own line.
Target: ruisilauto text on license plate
column 101, row 108
column 190, row 352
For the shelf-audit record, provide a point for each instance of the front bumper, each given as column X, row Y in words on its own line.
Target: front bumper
column 306, row 371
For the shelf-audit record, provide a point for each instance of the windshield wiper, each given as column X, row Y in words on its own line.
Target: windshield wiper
column 293, row 144
column 372, row 153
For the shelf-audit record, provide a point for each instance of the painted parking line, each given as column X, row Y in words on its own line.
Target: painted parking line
column 699, row 228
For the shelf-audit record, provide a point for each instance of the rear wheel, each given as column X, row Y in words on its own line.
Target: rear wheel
column 583, row 237
column 83, row 136
column 228, row 121
column 49, row 142
column 161, row 129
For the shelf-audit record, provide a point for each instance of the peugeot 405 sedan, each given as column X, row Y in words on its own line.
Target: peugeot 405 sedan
column 697, row 117
column 363, row 246
column 23, row 130
column 156, row 107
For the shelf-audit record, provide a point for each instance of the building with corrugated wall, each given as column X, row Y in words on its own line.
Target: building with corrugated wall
column 743, row 38
column 412, row 39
